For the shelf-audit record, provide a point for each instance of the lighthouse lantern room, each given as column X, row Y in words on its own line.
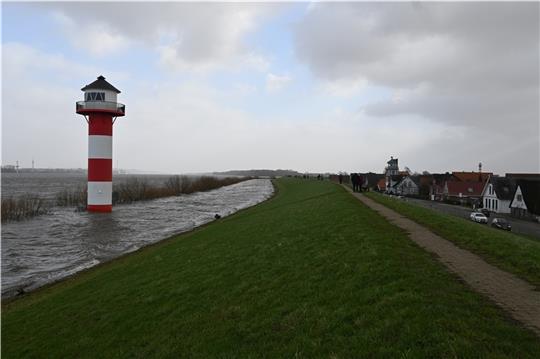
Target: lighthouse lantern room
column 100, row 110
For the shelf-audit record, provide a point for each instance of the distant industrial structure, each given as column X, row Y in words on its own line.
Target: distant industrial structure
column 100, row 110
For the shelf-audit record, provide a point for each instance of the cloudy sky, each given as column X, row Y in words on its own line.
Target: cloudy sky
column 305, row 86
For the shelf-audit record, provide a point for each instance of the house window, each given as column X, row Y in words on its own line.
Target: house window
column 95, row 96
column 519, row 198
column 496, row 204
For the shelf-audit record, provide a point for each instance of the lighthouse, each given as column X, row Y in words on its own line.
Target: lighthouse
column 100, row 109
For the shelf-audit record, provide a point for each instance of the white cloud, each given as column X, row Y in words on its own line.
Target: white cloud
column 39, row 91
column 177, row 127
column 275, row 83
column 187, row 36
column 344, row 87
column 96, row 38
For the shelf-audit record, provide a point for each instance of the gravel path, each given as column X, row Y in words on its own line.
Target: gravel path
column 514, row 295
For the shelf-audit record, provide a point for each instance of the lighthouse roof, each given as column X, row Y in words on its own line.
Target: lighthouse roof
column 100, row 84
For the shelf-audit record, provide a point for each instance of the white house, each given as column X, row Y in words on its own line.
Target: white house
column 407, row 187
column 526, row 200
column 518, row 204
column 497, row 194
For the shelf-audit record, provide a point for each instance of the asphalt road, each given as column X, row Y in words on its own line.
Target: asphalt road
column 518, row 226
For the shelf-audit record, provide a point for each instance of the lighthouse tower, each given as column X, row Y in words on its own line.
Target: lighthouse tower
column 100, row 110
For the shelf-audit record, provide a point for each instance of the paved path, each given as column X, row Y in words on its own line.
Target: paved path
column 514, row 295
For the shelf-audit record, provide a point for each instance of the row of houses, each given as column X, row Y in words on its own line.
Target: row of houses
column 517, row 194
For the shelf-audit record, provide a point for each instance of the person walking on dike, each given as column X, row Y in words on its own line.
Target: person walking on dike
column 340, row 178
column 354, row 180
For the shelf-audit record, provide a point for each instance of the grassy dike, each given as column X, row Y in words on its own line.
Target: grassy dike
column 310, row 273
column 513, row 253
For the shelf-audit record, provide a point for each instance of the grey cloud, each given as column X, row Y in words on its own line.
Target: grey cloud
column 363, row 39
column 461, row 64
column 468, row 66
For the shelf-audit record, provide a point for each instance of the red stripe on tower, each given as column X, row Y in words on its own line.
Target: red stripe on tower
column 99, row 170
column 100, row 109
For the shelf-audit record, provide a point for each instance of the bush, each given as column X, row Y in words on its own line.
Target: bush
column 23, row 207
column 72, row 197
column 132, row 190
column 136, row 189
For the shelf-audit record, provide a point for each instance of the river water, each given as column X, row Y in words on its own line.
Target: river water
column 50, row 247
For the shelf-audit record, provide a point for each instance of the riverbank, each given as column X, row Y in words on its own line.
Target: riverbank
column 48, row 248
column 311, row 272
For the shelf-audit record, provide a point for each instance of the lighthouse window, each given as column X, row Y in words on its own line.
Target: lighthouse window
column 95, row 96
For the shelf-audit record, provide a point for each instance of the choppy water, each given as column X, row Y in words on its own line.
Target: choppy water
column 47, row 184
column 50, row 247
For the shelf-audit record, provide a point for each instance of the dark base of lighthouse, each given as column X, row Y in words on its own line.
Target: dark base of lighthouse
column 106, row 208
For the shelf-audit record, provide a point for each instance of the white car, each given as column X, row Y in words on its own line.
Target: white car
column 478, row 217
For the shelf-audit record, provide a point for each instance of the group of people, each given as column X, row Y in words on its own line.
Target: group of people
column 356, row 180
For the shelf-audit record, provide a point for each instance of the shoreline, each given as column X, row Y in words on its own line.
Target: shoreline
column 6, row 301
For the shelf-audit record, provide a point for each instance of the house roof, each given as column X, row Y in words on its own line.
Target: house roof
column 471, row 176
column 425, row 180
column 531, row 194
column 372, row 178
column 415, row 179
column 467, row 189
column 100, row 84
column 441, row 178
column 503, row 188
column 525, row 176
column 397, row 178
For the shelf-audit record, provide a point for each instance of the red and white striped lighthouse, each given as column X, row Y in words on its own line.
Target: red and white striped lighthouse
column 100, row 110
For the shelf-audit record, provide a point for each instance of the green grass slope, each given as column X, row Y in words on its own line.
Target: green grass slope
column 310, row 273
column 513, row 253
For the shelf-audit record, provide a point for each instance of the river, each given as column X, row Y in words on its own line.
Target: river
column 50, row 247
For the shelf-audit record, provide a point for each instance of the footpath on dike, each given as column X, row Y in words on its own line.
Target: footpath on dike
column 514, row 295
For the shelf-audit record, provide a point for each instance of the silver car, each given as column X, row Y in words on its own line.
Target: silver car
column 478, row 217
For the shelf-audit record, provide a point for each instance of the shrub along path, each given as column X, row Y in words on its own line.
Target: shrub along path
column 516, row 296
column 310, row 273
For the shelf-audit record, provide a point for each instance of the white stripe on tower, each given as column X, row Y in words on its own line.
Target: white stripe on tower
column 100, row 163
column 100, row 146
column 99, row 193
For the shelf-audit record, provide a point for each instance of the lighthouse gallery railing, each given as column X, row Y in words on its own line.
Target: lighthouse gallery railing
column 101, row 105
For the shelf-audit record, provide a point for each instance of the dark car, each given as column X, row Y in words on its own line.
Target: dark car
column 501, row 223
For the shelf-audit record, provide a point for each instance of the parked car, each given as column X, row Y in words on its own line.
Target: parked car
column 485, row 211
column 501, row 223
column 478, row 217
